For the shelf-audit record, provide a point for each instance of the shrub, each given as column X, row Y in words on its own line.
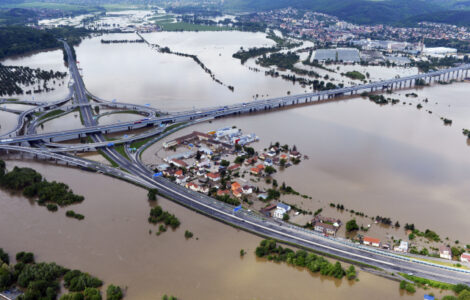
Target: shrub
column 114, row 293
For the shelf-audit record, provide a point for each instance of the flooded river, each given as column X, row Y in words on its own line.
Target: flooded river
column 394, row 161
column 113, row 243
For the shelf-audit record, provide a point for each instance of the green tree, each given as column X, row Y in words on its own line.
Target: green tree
column 2, row 168
column 269, row 170
column 91, row 294
column 152, row 194
column 351, row 225
column 6, row 278
column 464, row 295
column 114, row 293
column 4, row 257
column 25, row 257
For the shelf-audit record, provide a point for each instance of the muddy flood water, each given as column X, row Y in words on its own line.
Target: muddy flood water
column 393, row 161
column 113, row 243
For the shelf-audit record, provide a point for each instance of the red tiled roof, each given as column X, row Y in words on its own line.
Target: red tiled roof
column 179, row 162
column 233, row 167
column 235, row 186
column 371, row 240
column 213, row 175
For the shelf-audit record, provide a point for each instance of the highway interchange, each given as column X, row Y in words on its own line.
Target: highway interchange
column 42, row 146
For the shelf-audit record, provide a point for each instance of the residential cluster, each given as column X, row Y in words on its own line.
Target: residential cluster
column 327, row 29
column 222, row 164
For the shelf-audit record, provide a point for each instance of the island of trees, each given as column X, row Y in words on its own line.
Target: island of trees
column 34, row 186
column 44, row 280
column 164, row 218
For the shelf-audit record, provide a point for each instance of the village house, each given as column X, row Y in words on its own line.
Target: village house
column 371, row 241
column 178, row 163
column 233, row 167
column 251, row 161
column 213, row 176
column 235, row 186
column 181, row 179
column 465, row 257
column 267, row 210
column 204, row 164
column 281, row 209
column 192, row 186
column 403, row 247
column 445, row 252
column 326, row 225
column 247, row 190
column 294, row 154
column 200, row 172
column 204, row 189
column 268, row 162
column 325, row 228
column 223, row 192
column 237, row 192
column 256, row 171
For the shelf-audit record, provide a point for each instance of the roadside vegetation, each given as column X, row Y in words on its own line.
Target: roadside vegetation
column 314, row 263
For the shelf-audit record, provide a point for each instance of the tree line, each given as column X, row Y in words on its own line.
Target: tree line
column 315, row 263
column 17, row 40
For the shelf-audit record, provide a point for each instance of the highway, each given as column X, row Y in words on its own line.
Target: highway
column 138, row 173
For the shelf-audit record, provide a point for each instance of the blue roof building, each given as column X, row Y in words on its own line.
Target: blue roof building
column 283, row 206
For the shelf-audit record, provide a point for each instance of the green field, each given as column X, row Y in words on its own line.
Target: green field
column 167, row 23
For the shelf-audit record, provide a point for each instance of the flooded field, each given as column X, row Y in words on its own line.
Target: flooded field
column 393, row 161
column 8, row 121
column 66, row 122
column 172, row 82
column 113, row 243
column 47, row 60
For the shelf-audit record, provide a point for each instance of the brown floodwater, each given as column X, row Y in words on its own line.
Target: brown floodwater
column 8, row 121
column 393, row 161
column 113, row 243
